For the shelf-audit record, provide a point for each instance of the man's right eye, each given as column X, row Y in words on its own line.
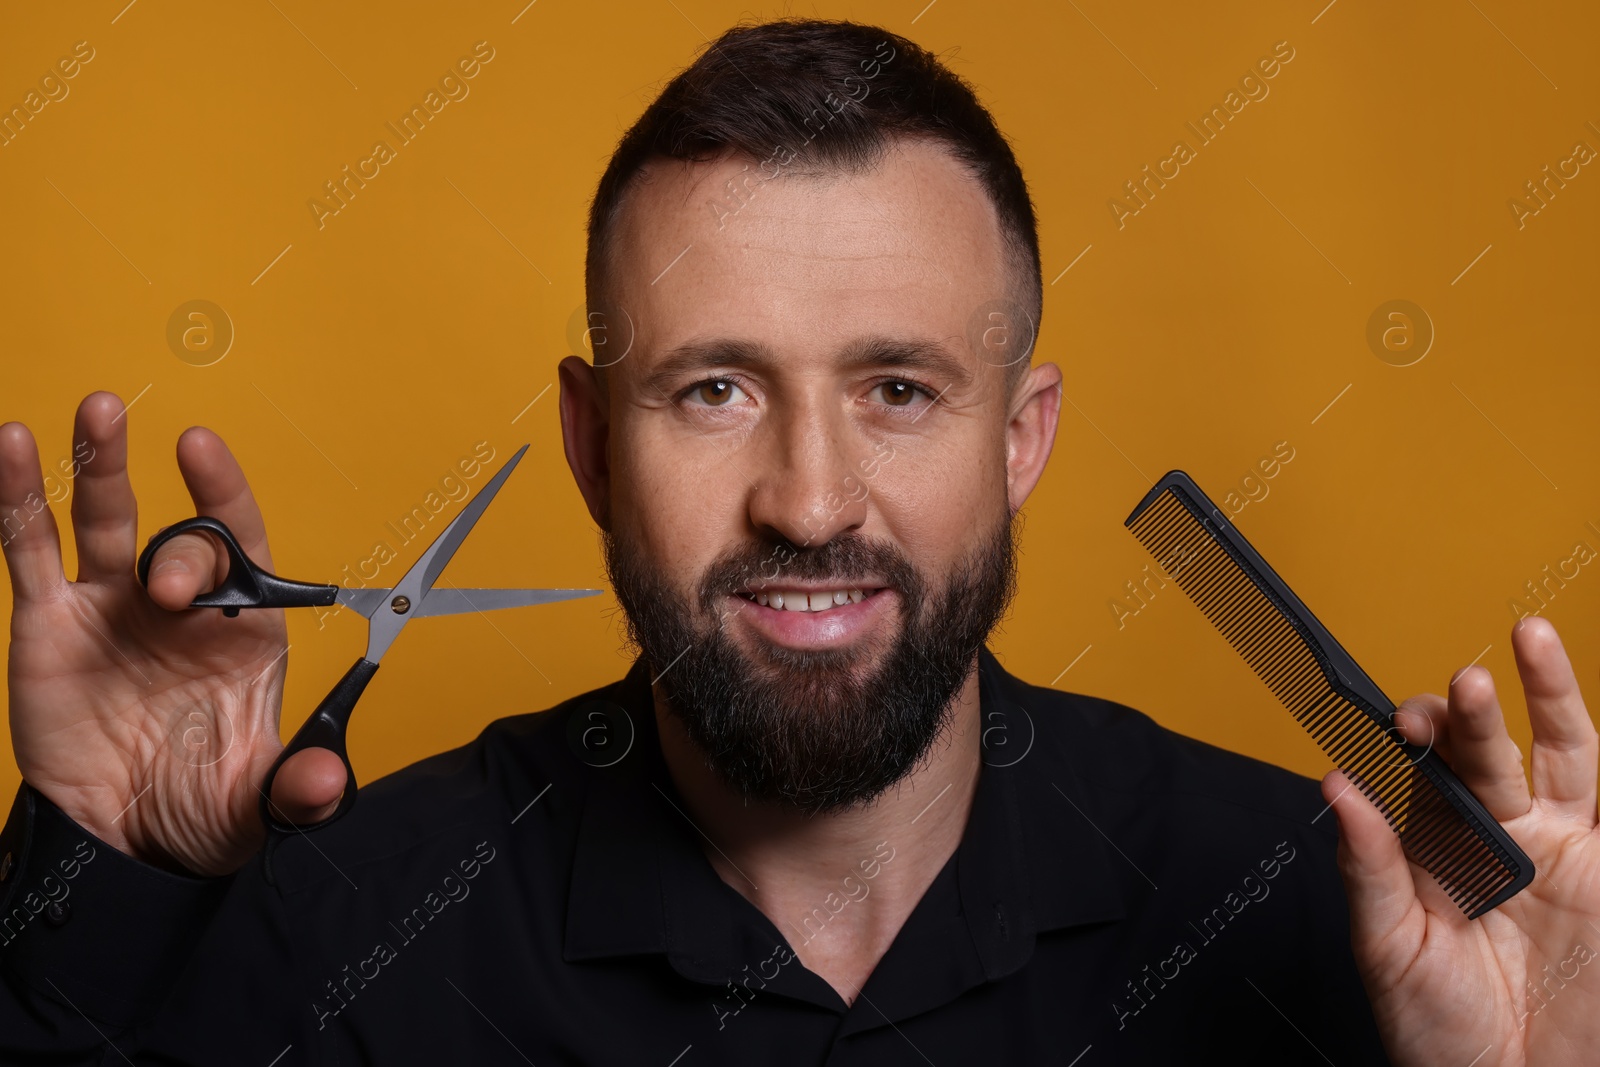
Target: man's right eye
column 715, row 393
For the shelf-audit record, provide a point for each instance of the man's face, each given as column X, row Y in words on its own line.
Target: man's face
column 801, row 421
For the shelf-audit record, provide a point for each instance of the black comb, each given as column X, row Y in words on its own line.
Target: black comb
column 1441, row 825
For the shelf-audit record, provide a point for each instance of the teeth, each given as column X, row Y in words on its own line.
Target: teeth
column 801, row 600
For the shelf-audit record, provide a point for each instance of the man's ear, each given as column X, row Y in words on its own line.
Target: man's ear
column 585, row 430
column 1031, row 430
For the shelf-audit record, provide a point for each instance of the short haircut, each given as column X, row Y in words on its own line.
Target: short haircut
column 822, row 93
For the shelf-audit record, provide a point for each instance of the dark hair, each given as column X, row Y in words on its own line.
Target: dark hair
column 762, row 90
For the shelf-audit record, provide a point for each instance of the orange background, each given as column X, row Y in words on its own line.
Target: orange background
column 373, row 353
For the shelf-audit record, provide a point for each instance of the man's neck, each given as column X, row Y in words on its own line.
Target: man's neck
column 838, row 887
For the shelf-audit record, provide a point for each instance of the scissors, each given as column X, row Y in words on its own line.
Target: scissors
column 388, row 610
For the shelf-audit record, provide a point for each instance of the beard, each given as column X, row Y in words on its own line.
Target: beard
column 824, row 730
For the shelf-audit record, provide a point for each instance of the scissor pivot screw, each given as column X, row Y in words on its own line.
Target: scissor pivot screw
column 400, row 604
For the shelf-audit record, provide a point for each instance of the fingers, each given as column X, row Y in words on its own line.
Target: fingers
column 195, row 563
column 218, row 488
column 1425, row 720
column 28, row 534
column 1482, row 754
column 184, row 567
column 1377, row 876
column 308, row 786
column 1565, row 746
column 105, row 518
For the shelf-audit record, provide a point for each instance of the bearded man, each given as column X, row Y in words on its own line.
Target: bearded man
column 817, row 822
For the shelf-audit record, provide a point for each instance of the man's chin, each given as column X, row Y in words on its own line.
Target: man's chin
column 810, row 682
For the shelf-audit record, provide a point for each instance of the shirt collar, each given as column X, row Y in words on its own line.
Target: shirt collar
column 1029, row 859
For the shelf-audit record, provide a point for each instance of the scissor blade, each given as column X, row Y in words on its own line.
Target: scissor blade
column 365, row 601
column 461, row 601
column 416, row 582
column 454, row 601
column 438, row 555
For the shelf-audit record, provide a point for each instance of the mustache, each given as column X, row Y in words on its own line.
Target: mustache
column 844, row 559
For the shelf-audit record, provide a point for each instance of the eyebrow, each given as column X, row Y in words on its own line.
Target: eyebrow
column 886, row 353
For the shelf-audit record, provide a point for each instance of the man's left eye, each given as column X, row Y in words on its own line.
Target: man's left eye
column 899, row 394
column 717, row 393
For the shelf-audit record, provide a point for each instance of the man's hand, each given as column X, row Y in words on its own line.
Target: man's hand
column 149, row 723
column 1521, row 985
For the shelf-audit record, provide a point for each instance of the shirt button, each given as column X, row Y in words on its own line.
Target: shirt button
column 57, row 913
column 5, row 866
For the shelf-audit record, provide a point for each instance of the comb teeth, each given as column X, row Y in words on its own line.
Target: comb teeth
column 1441, row 826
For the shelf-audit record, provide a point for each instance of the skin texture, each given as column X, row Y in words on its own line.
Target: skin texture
column 151, row 727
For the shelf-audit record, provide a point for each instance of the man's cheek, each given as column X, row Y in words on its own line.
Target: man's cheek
column 734, row 606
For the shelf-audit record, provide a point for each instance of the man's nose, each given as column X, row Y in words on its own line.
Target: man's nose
column 808, row 485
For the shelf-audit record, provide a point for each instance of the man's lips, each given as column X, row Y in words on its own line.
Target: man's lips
column 829, row 625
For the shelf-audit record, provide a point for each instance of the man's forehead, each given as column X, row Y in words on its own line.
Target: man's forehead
column 806, row 262
column 915, row 203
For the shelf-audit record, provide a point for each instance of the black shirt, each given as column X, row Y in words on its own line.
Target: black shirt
column 1121, row 895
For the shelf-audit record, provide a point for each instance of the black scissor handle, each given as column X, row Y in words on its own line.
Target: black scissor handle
column 247, row 585
column 326, row 728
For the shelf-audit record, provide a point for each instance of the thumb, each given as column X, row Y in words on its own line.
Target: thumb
column 1377, row 876
column 308, row 786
